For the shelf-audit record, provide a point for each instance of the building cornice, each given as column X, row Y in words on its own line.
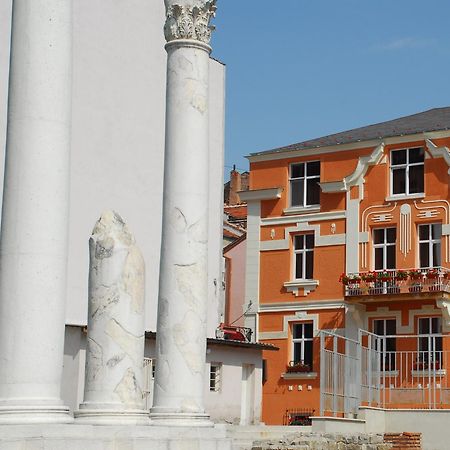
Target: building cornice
column 359, row 145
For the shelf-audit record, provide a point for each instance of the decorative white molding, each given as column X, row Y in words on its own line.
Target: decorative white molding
column 401, row 329
column 319, row 241
column 405, row 228
column 369, row 211
column 439, row 152
column 297, row 317
column 444, row 306
column 400, row 197
column 301, row 306
column 306, row 285
column 260, row 194
column 313, row 217
column 190, row 22
column 299, row 375
column 431, row 211
column 301, row 209
column 357, row 176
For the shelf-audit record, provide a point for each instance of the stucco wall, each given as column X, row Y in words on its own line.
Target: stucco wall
column 236, row 283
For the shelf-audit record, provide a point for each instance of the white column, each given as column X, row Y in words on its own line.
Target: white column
column 115, row 341
column 33, row 246
column 183, row 289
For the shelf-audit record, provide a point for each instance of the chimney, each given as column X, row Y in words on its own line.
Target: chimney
column 235, row 186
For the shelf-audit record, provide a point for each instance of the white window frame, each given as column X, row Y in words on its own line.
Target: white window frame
column 432, row 339
column 301, row 341
column 388, row 357
column 430, row 241
column 405, row 166
column 215, row 377
column 302, row 251
column 384, row 245
column 305, row 179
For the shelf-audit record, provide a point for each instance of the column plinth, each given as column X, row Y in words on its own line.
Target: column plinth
column 183, row 290
column 33, row 245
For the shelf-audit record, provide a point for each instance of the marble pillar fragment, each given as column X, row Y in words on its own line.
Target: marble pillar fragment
column 115, row 340
column 34, row 233
column 183, row 290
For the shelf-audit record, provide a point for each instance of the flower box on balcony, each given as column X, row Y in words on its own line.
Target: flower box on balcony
column 415, row 288
column 298, row 367
column 393, row 289
column 354, row 291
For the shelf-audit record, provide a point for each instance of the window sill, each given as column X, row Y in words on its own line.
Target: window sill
column 301, row 209
column 307, row 286
column 431, row 373
column 299, row 375
column 393, row 198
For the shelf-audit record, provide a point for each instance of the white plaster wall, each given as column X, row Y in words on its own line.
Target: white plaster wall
column 236, row 288
column 72, row 386
column 225, row 406
column 216, row 294
column 118, row 138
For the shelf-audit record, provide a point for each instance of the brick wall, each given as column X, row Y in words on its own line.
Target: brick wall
column 404, row 441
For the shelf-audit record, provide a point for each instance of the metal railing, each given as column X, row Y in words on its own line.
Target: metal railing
column 398, row 281
column 366, row 373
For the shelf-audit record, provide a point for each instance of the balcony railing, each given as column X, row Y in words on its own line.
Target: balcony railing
column 399, row 281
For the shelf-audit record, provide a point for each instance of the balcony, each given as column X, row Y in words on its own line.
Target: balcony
column 397, row 282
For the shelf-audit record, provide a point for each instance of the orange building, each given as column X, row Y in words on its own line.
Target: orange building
column 347, row 262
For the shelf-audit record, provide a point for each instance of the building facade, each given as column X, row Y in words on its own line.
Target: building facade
column 347, row 262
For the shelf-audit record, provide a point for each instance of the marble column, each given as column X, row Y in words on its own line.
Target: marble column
column 115, row 341
column 33, row 245
column 183, row 290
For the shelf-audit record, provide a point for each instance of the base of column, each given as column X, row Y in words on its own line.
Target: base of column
column 20, row 415
column 180, row 419
column 111, row 417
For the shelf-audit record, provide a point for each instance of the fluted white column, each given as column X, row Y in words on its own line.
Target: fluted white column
column 33, row 246
column 183, row 292
column 115, row 342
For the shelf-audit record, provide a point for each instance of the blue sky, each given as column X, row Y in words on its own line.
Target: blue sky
column 300, row 69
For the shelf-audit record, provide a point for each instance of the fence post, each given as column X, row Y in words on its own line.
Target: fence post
column 322, row 372
column 359, row 367
column 335, row 374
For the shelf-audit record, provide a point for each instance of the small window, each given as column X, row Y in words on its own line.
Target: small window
column 430, row 245
column 430, row 342
column 304, row 184
column 384, row 248
column 304, row 256
column 386, row 346
column 302, row 339
column 407, row 171
column 215, row 373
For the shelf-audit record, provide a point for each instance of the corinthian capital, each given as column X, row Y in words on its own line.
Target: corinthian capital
column 189, row 19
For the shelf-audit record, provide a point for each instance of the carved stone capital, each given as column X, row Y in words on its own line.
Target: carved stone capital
column 190, row 21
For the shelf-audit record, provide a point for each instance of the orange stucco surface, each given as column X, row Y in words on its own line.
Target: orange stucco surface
column 277, row 265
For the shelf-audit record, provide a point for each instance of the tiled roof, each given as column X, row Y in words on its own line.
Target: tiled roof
column 436, row 119
column 237, row 211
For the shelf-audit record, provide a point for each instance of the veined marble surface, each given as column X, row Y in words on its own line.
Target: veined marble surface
column 115, row 350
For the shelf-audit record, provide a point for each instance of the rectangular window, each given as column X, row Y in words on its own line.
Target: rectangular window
column 384, row 248
column 430, row 342
column 215, row 373
column 302, row 338
column 304, row 184
column 407, row 171
column 304, row 256
column 430, row 245
column 386, row 328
